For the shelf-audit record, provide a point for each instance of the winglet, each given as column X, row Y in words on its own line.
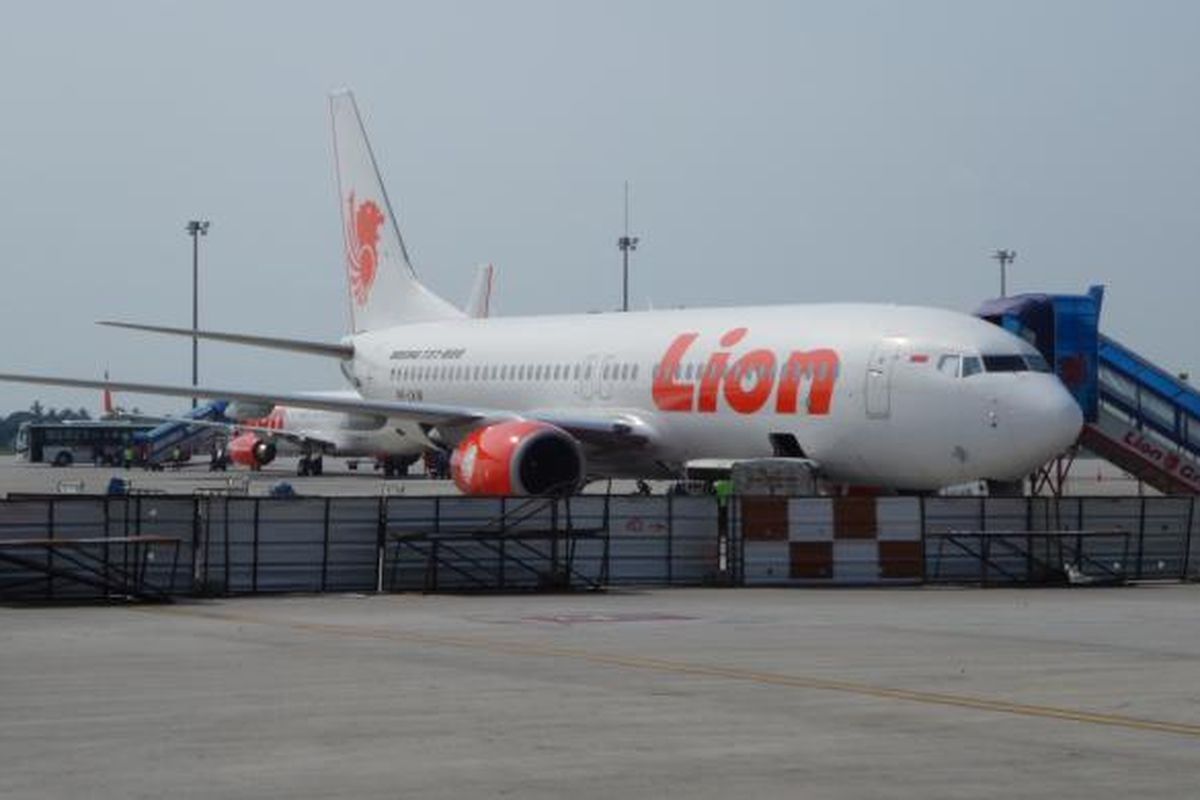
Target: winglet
column 479, row 302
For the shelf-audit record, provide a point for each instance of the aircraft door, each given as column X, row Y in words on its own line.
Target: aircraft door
column 589, row 378
column 879, row 378
column 606, row 376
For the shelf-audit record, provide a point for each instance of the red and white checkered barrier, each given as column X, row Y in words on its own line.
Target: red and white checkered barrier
column 822, row 540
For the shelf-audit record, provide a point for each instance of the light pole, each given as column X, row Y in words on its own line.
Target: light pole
column 196, row 228
column 1005, row 257
column 625, row 244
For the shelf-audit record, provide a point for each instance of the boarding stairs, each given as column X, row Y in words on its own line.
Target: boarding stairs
column 159, row 445
column 1137, row 415
column 1147, row 422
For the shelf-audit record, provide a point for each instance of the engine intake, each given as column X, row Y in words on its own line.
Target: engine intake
column 523, row 457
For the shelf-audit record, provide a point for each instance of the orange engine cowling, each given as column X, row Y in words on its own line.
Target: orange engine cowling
column 249, row 450
column 523, row 457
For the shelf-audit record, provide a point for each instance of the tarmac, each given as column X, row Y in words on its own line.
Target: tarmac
column 18, row 476
column 903, row 693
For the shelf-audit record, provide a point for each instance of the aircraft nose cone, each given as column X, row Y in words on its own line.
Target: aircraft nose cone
column 1056, row 418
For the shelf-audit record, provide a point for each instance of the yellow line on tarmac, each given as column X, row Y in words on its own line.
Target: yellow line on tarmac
column 701, row 670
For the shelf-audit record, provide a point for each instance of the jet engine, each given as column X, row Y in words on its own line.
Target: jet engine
column 250, row 450
column 522, row 457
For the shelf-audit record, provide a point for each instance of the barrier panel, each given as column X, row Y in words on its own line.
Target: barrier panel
column 80, row 547
column 1191, row 555
column 478, row 544
column 250, row 545
column 829, row 540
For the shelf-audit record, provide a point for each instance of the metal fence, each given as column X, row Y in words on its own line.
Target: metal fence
column 822, row 540
column 78, row 547
column 212, row 545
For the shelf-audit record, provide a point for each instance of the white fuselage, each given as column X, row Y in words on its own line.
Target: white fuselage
column 898, row 412
column 338, row 433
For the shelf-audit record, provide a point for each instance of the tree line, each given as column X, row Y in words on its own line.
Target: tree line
column 36, row 413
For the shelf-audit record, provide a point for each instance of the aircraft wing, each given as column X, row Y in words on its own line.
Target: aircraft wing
column 605, row 429
column 431, row 414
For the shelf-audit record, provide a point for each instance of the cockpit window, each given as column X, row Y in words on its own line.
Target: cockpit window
column 948, row 365
column 1036, row 362
column 1013, row 363
column 971, row 366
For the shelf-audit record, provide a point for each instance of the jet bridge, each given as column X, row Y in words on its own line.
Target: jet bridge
column 1137, row 415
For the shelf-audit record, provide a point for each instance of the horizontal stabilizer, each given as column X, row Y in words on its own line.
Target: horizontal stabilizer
column 343, row 351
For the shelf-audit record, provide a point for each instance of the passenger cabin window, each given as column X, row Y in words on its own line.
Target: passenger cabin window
column 948, row 365
column 1013, row 363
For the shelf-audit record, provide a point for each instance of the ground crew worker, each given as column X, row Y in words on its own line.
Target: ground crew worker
column 723, row 489
column 127, row 456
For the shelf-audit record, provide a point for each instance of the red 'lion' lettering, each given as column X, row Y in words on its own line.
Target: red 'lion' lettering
column 747, row 383
column 668, row 394
column 820, row 366
column 750, row 381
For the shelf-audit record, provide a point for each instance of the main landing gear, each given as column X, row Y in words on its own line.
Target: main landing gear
column 396, row 466
column 310, row 465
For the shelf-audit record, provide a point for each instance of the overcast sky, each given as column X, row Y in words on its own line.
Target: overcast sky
column 778, row 152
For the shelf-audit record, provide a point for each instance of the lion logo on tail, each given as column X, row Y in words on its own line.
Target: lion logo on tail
column 362, row 238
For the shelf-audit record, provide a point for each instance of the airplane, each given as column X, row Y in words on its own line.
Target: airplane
column 259, row 437
column 903, row 398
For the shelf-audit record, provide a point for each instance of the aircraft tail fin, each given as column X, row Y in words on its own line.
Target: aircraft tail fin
column 107, row 409
column 384, row 289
